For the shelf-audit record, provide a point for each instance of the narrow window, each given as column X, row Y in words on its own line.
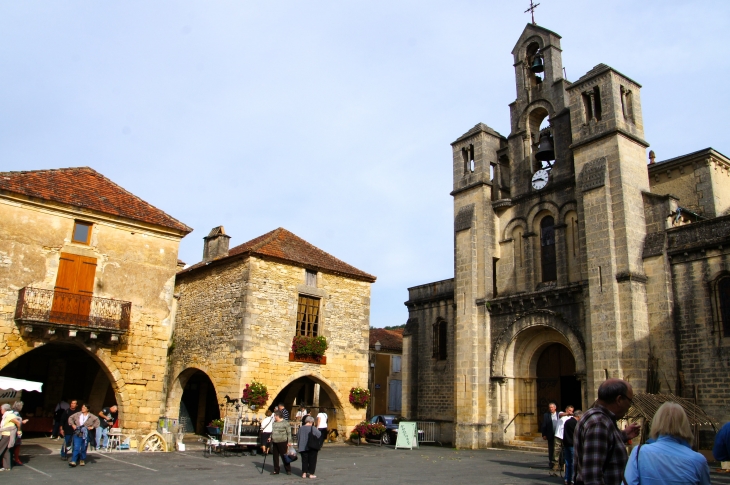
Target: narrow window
column 465, row 157
column 597, row 102
column 310, row 278
column 547, row 243
column 439, row 340
column 395, row 363
column 308, row 316
column 723, row 293
column 491, row 171
column 467, row 154
column 494, row 277
column 587, row 107
column 82, row 232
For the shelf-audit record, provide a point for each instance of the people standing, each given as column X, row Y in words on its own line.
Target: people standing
column 67, row 431
column 549, row 425
column 309, row 455
column 669, row 460
column 108, row 417
column 600, row 454
column 301, row 414
column 280, row 438
column 82, row 423
column 265, row 431
column 558, row 459
column 17, row 409
column 61, row 407
column 322, row 426
column 568, row 435
column 284, row 412
column 9, row 425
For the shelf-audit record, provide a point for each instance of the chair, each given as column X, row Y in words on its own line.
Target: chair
column 115, row 439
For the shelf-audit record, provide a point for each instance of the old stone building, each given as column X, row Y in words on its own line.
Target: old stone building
column 574, row 261
column 238, row 313
column 87, row 273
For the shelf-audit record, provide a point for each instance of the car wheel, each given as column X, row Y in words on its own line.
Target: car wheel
column 387, row 440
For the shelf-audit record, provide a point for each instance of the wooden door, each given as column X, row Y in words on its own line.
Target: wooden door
column 74, row 289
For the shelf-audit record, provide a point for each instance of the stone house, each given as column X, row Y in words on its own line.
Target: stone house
column 385, row 384
column 574, row 261
column 87, row 273
column 239, row 310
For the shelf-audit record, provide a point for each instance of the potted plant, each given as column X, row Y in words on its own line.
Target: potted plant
column 359, row 397
column 214, row 427
column 308, row 349
column 255, row 394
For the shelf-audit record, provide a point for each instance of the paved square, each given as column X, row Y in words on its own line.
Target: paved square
column 339, row 463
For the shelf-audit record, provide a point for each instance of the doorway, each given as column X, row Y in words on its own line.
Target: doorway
column 556, row 381
column 199, row 403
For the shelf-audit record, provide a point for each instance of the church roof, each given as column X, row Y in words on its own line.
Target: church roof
column 389, row 339
column 596, row 71
column 705, row 152
column 283, row 245
column 478, row 128
column 86, row 188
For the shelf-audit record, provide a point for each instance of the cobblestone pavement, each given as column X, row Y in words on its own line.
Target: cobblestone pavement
column 346, row 464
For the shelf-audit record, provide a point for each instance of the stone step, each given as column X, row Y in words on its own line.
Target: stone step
column 528, row 438
column 539, row 447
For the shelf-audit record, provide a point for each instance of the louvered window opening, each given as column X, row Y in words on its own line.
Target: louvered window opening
column 308, row 316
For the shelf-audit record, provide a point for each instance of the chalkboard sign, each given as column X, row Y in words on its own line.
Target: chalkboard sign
column 407, row 435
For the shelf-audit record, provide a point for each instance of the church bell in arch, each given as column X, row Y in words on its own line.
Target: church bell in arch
column 537, row 64
column 545, row 148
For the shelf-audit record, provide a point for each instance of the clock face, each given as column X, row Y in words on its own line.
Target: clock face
column 540, row 179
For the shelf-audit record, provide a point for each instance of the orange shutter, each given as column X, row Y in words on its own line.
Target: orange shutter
column 75, row 277
column 85, row 276
column 65, row 281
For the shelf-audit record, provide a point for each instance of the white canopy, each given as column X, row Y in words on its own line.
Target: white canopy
column 8, row 383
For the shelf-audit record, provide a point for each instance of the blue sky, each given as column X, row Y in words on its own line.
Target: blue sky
column 331, row 119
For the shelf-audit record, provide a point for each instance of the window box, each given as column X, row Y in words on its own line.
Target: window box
column 308, row 359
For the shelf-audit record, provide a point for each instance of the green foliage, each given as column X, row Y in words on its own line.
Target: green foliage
column 314, row 346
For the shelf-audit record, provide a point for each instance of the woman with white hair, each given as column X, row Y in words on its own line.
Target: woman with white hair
column 668, row 460
column 16, row 409
column 9, row 425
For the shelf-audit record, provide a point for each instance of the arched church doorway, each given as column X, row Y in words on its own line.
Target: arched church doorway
column 199, row 403
column 67, row 372
column 311, row 393
column 556, row 380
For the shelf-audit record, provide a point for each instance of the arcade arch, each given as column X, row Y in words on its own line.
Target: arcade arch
column 315, row 394
column 193, row 396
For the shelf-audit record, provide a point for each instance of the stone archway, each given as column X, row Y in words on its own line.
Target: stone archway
column 193, row 397
column 69, row 370
column 516, row 358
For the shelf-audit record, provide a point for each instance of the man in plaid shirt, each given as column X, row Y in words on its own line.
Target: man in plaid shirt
column 600, row 453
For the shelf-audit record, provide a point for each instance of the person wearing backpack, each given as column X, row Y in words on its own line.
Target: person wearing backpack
column 309, row 445
column 280, row 438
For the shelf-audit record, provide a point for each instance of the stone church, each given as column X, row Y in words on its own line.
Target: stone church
column 575, row 260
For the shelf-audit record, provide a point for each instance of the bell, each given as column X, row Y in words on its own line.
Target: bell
column 537, row 64
column 545, row 149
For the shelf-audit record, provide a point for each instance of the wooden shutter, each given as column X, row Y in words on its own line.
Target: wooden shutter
column 67, row 269
column 74, row 289
column 85, row 276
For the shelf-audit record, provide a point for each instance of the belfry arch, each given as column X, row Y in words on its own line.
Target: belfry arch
column 536, row 350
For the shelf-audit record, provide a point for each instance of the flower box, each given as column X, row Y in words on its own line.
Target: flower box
column 307, row 359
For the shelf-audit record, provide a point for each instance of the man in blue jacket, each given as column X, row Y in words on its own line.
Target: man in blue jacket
column 721, row 450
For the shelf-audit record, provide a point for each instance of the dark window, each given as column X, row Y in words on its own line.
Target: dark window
column 310, row 278
column 82, row 232
column 597, row 102
column 723, row 293
column 440, row 330
column 547, row 249
column 308, row 316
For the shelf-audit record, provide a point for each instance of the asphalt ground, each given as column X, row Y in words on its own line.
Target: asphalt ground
column 337, row 463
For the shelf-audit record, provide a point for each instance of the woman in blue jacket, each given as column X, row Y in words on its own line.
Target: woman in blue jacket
column 668, row 460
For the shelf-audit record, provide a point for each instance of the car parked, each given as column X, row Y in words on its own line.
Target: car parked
column 390, row 421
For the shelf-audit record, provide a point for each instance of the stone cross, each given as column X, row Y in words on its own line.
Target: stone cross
column 532, row 8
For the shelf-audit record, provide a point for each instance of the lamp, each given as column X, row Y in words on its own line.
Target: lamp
column 377, row 346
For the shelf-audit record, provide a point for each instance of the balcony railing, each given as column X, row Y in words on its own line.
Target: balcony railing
column 79, row 312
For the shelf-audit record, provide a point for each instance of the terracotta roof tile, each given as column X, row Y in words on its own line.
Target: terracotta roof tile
column 87, row 188
column 283, row 245
column 389, row 339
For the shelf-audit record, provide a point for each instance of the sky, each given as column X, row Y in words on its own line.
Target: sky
column 330, row 119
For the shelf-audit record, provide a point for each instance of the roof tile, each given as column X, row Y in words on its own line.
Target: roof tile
column 389, row 339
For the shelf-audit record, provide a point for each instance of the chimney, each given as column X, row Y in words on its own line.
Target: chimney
column 215, row 244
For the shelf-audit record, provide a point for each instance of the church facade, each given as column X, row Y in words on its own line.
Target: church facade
column 574, row 261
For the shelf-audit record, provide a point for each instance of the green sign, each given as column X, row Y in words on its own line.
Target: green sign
column 407, row 435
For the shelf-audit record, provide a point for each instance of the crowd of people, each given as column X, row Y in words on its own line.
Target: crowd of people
column 276, row 437
column 593, row 448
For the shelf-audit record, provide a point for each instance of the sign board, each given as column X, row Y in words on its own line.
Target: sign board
column 407, row 435
column 9, row 396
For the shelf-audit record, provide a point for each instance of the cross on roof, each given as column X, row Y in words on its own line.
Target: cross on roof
column 532, row 8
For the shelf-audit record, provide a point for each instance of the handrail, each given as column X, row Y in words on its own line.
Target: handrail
column 515, row 417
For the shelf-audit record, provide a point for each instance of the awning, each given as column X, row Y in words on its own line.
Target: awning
column 8, row 383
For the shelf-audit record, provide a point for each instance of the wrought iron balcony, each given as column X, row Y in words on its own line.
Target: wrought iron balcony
column 72, row 311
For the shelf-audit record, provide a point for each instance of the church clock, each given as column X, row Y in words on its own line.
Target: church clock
column 540, row 179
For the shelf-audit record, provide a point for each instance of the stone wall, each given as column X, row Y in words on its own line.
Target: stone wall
column 135, row 262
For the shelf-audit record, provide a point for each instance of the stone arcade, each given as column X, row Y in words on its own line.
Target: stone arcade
column 574, row 261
